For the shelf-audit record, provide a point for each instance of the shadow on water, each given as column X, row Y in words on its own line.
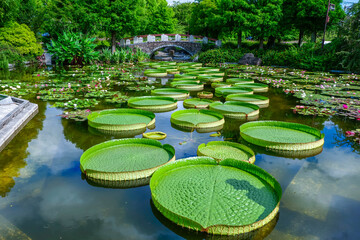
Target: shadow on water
column 186, row 233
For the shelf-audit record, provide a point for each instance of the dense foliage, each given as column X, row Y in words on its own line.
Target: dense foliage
column 73, row 48
column 21, row 38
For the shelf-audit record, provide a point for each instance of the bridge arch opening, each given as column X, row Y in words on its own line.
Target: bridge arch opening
column 171, row 52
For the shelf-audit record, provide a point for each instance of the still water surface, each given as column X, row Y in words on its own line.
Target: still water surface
column 43, row 195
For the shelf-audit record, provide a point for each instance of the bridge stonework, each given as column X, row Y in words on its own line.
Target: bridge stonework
column 189, row 43
column 150, row 47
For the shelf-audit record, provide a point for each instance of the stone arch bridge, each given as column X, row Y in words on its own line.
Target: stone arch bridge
column 151, row 43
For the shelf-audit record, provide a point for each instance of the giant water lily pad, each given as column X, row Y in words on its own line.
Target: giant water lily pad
column 224, row 91
column 196, row 103
column 221, row 150
column 259, row 100
column 236, row 110
column 239, row 80
column 228, row 197
column 153, row 103
column 197, row 119
column 125, row 159
column 115, row 120
column 178, row 94
column 282, row 135
column 188, row 85
column 256, row 87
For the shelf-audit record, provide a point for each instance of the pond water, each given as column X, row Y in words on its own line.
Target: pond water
column 44, row 196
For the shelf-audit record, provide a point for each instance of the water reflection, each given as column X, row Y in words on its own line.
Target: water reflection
column 12, row 158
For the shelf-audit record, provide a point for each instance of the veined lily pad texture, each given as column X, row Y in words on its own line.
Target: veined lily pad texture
column 155, row 73
column 205, row 94
column 178, row 94
column 224, row 91
column 211, row 79
column 221, row 150
column 259, row 100
column 228, row 197
column 197, row 103
column 197, row 119
column 125, row 159
column 155, row 135
column 153, row 103
column 236, row 110
column 282, row 135
column 257, row 87
column 115, row 120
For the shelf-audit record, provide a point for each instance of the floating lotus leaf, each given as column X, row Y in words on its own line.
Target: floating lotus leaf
column 125, row 159
column 257, row 87
column 229, row 197
column 211, row 79
column 239, row 80
column 221, row 150
column 155, row 135
column 155, row 73
column 224, row 91
column 196, row 103
column 192, row 64
column 153, row 103
column 178, row 94
column 115, row 120
column 197, row 119
column 188, row 85
column 282, row 135
column 185, row 80
column 205, row 94
column 236, row 110
column 185, row 76
column 220, row 84
column 259, row 100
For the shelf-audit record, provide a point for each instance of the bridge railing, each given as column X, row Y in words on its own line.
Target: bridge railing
column 167, row 38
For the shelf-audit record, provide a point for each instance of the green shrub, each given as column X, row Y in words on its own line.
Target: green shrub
column 123, row 55
column 12, row 55
column 4, row 64
column 73, row 48
column 21, row 38
column 105, row 55
column 220, row 55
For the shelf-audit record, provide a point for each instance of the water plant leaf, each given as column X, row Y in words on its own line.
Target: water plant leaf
column 227, row 197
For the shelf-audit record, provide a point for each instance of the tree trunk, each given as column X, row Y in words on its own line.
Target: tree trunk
column 239, row 40
column 301, row 36
column 271, row 42
column 261, row 45
column 113, row 42
column 313, row 37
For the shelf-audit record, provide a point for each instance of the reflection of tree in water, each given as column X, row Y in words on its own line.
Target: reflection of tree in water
column 12, row 158
column 343, row 125
column 186, row 233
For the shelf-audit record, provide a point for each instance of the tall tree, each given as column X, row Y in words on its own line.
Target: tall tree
column 182, row 12
column 160, row 17
column 9, row 10
column 265, row 16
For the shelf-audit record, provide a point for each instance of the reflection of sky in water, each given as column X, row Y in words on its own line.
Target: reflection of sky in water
column 321, row 197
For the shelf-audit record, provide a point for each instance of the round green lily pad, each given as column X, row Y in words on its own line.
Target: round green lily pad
column 205, row 94
column 153, row 103
column 236, row 110
column 115, row 120
column 239, row 80
column 257, row 87
column 155, row 73
column 259, row 100
column 282, row 135
column 229, row 197
column 224, row 91
column 197, row 119
column 220, row 84
column 211, row 79
column 178, row 94
column 196, row 103
column 125, row 159
column 155, row 135
column 188, row 85
column 221, row 150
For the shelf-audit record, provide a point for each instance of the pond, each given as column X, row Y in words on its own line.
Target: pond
column 44, row 195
